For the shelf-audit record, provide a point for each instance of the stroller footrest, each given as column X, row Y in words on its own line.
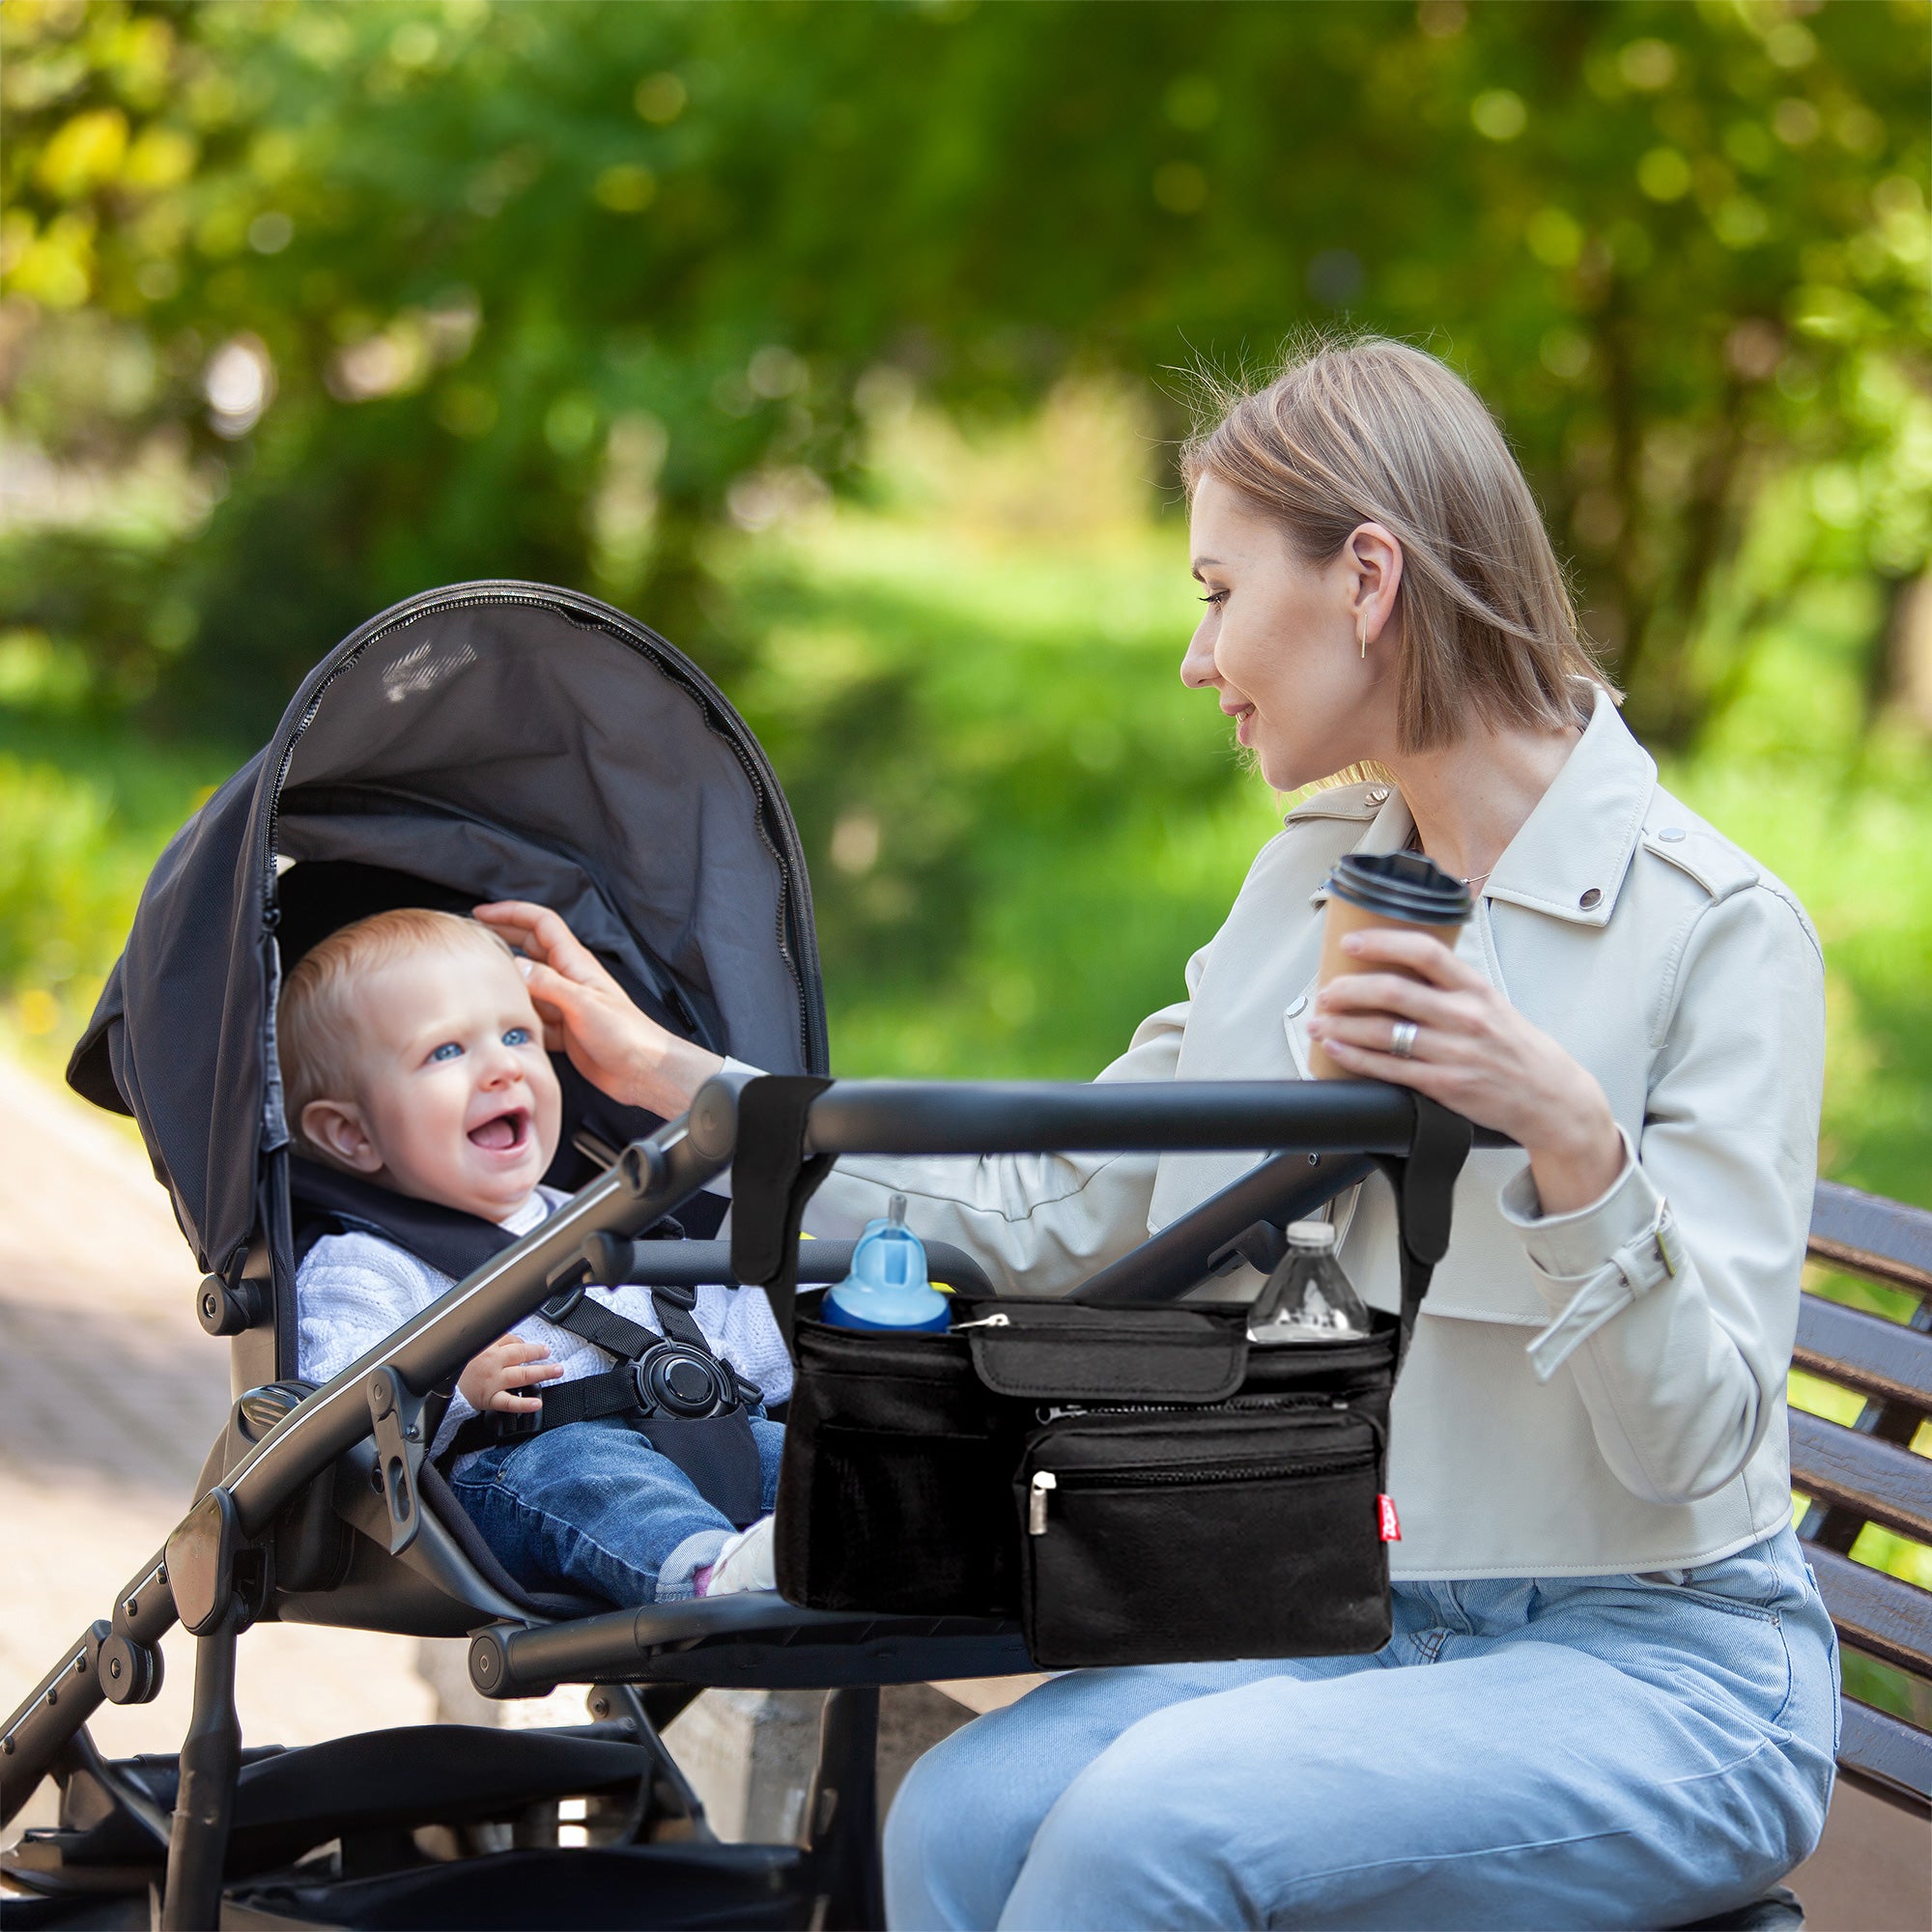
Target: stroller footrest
column 754, row 1640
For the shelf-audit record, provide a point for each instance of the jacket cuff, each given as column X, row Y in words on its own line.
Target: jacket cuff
column 1592, row 1263
column 1584, row 1240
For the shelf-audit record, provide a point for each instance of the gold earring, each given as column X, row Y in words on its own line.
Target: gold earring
column 1362, row 639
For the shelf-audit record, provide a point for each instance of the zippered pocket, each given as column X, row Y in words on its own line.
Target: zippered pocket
column 1133, row 1525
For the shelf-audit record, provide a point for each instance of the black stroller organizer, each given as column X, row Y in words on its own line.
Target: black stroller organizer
column 493, row 741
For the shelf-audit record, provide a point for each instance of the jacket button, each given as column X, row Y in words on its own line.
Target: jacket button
column 1377, row 794
column 1670, row 834
column 1594, row 896
column 1297, row 1004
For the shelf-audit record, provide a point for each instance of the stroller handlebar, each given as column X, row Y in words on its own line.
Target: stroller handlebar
column 948, row 1116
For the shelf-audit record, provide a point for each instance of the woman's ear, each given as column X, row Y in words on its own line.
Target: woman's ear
column 1375, row 563
column 337, row 1131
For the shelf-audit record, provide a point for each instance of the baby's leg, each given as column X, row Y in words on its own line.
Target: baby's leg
column 596, row 1508
column 770, row 1437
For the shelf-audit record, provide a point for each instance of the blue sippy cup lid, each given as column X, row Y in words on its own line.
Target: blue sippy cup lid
column 887, row 1286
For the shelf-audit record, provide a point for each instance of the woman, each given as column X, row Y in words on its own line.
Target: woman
column 1611, row 1694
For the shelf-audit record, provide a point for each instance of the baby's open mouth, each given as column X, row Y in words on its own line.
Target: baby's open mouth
column 504, row 1133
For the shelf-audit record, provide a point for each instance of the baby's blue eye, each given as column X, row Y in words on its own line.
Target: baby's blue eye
column 448, row 1050
column 517, row 1037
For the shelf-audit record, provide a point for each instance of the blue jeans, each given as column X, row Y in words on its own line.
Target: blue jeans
column 595, row 1508
column 1604, row 1750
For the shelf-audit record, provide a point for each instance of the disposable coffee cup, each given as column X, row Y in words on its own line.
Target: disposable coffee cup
column 1402, row 889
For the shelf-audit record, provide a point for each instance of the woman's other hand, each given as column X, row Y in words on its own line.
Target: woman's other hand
column 1475, row 1053
column 586, row 1015
column 492, row 1380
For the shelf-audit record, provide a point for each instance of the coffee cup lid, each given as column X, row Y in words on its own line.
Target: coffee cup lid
column 1401, row 884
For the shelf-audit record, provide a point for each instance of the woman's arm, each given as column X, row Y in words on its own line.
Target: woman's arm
column 1674, row 1288
column 1038, row 1223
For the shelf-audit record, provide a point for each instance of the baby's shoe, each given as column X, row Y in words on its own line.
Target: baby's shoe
column 745, row 1563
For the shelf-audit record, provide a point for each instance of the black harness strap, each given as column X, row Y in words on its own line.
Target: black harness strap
column 717, row 1451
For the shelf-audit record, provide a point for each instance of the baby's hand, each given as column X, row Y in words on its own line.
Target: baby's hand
column 491, row 1380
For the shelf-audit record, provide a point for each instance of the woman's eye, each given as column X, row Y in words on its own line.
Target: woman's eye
column 1215, row 597
column 518, row 1037
column 448, row 1050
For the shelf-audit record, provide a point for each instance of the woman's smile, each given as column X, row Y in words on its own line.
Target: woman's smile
column 1240, row 713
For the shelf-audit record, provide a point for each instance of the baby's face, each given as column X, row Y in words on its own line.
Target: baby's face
column 456, row 1101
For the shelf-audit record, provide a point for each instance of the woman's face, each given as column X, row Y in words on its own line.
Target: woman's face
column 1280, row 639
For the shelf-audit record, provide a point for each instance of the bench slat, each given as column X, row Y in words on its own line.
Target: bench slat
column 1885, row 1483
column 1867, row 1235
column 1878, row 1358
column 1886, row 1750
column 1883, row 1616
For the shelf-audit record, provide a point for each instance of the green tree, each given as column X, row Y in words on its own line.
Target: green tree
column 400, row 292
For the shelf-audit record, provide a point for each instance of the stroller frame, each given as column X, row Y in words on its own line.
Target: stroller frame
column 218, row 1572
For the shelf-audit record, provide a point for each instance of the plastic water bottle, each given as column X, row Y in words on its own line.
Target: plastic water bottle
column 888, row 1287
column 1308, row 1299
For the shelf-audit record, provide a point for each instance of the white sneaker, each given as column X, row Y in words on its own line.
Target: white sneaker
column 745, row 1563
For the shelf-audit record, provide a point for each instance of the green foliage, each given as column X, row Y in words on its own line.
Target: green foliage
column 399, row 293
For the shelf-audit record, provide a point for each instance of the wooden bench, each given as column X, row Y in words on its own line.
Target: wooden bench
column 1877, row 1855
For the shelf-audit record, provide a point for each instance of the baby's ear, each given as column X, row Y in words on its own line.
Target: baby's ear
column 338, row 1132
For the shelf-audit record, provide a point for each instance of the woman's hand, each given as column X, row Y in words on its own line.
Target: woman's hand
column 491, row 1380
column 1475, row 1053
column 586, row 1015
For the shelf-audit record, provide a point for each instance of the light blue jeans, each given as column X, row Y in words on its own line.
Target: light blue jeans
column 1604, row 1750
column 596, row 1508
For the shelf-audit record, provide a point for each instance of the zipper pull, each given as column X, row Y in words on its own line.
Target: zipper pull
column 984, row 1321
column 1044, row 1483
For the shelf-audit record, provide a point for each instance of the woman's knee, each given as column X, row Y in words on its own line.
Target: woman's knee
column 957, row 1833
column 1150, row 1834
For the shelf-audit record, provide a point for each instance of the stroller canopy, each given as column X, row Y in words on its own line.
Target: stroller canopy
column 495, row 740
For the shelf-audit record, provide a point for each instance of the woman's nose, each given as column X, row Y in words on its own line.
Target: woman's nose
column 1197, row 666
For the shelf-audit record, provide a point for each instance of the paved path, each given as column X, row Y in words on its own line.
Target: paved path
column 109, row 1397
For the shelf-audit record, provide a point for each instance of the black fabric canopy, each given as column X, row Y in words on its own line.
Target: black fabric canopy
column 496, row 740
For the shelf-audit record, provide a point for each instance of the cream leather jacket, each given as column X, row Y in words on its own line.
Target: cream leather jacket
column 1595, row 1392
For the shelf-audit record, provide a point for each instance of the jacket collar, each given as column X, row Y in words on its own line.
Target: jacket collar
column 1573, row 850
column 1571, row 856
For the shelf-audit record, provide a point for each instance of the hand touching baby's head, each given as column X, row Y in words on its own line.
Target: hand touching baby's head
column 411, row 1054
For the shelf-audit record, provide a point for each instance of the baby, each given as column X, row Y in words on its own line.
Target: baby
column 412, row 1055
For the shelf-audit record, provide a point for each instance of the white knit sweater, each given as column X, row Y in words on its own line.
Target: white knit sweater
column 352, row 1289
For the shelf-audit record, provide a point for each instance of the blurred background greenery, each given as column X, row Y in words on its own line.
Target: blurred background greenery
column 846, row 345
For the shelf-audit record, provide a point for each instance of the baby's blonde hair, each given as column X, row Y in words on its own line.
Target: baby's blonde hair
column 1362, row 431
column 316, row 1021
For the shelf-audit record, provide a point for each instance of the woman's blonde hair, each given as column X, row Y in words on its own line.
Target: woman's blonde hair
column 1373, row 431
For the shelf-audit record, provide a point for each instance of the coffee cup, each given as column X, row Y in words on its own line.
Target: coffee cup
column 1399, row 890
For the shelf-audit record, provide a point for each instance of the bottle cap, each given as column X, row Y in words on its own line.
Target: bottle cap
column 1316, row 1236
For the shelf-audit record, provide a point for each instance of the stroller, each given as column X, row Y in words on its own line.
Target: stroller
column 500, row 740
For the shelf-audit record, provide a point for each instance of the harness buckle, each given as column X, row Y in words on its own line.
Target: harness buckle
column 676, row 1381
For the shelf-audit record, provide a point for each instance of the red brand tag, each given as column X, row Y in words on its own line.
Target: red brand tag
column 1391, row 1524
